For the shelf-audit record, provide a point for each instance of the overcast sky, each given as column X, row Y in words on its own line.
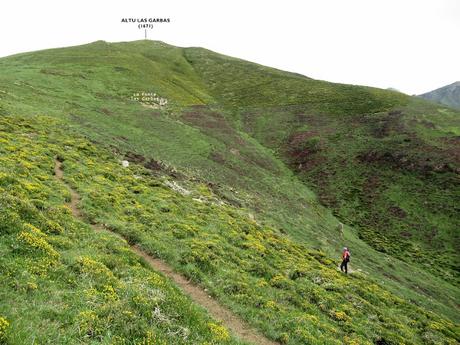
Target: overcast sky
column 410, row 45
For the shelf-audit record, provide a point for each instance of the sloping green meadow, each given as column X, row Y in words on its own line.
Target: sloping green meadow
column 88, row 286
column 62, row 282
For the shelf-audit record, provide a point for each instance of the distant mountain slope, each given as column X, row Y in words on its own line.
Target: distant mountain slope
column 448, row 95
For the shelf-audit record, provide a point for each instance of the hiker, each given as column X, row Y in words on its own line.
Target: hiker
column 345, row 259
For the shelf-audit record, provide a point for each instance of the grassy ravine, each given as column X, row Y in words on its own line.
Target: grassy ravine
column 88, row 286
column 385, row 163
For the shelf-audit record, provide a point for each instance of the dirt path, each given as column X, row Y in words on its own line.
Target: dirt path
column 235, row 324
column 74, row 197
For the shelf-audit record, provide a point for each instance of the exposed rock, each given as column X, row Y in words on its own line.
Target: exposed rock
column 174, row 186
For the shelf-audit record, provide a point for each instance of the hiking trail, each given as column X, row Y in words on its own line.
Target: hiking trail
column 234, row 323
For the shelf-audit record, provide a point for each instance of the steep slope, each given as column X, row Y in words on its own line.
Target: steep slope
column 226, row 133
column 448, row 95
column 90, row 287
column 196, row 293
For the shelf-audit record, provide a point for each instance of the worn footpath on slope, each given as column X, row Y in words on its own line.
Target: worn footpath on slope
column 235, row 324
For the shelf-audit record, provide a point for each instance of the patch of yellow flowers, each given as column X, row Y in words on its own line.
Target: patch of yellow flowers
column 4, row 324
column 36, row 239
column 220, row 333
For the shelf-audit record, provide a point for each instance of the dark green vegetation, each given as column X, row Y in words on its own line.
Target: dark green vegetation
column 385, row 163
column 448, row 95
column 260, row 140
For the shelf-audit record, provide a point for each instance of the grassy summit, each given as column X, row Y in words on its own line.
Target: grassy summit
column 272, row 161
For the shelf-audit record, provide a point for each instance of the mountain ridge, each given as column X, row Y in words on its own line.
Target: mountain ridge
column 448, row 95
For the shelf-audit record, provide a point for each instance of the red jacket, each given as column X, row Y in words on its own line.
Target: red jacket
column 346, row 255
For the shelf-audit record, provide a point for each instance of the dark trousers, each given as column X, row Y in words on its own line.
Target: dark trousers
column 344, row 265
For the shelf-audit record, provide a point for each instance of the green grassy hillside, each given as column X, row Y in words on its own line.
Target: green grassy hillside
column 63, row 283
column 89, row 287
column 265, row 150
column 385, row 163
